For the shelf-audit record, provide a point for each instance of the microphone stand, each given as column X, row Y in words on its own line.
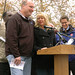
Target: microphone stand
column 61, row 40
column 66, row 35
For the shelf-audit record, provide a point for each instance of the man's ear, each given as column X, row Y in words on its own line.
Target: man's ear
column 23, row 6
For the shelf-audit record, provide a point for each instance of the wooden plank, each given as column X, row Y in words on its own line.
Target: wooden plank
column 61, row 65
column 60, row 49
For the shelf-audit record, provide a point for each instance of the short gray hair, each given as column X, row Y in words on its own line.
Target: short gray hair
column 24, row 2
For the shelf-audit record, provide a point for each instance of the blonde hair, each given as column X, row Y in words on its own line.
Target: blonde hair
column 41, row 14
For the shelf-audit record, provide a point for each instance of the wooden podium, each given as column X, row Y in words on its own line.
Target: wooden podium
column 61, row 62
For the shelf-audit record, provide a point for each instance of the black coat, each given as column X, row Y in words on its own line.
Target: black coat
column 43, row 38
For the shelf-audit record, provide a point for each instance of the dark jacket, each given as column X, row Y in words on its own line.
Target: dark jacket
column 43, row 39
column 19, row 36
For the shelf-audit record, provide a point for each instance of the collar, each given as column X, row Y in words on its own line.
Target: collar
column 66, row 29
column 23, row 15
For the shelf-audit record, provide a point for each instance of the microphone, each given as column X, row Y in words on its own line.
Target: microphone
column 62, row 38
column 48, row 27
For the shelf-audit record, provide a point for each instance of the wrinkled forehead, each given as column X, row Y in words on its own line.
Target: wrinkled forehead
column 64, row 20
column 30, row 3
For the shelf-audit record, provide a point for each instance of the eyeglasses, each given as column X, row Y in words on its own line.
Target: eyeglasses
column 63, row 22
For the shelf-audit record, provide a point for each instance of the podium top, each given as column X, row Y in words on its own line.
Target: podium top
column 60, row 49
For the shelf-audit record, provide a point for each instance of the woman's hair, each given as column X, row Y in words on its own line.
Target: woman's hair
column 41, row 14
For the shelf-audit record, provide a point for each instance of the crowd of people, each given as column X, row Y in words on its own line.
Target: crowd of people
column 24, row 37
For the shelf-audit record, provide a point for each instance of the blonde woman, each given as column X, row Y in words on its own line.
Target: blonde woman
column 44, row 38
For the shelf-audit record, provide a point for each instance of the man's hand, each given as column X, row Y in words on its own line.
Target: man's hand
column 17, row 60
